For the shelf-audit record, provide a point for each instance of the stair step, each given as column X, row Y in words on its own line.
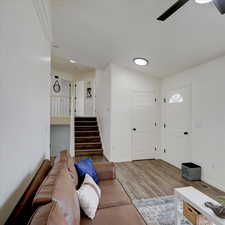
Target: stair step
column 85, row 123
column 89, row 139
column 86, row 128
column 86, row 133
column 81, row 146
column 91, row 152
column 85, row 119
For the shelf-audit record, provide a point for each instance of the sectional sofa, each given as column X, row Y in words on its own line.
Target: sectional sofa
column 51, row 198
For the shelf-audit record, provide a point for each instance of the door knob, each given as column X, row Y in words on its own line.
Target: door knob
column 134, row 129
column 185, row 133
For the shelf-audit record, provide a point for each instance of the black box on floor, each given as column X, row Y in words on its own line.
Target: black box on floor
column 191, row 171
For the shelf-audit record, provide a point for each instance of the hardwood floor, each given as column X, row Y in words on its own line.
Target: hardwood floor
column 155, row 178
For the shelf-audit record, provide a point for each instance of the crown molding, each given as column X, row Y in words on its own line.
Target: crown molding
column 42, row 9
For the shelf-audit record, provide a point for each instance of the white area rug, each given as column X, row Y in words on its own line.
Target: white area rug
column 158, row 211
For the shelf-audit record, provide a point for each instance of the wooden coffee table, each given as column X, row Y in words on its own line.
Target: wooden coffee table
column 197, row 200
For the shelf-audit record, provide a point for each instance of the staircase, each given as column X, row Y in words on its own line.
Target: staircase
column 87, row 138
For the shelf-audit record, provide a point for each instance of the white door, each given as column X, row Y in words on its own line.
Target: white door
column 144, row 129
column 177, row 126
column 79, row 106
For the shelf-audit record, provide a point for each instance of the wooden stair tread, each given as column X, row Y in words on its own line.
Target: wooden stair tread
column 88, row 137
column 85, row 118
column 86, row 131
column 86, row 150
column 87, row 126
column 89, row 143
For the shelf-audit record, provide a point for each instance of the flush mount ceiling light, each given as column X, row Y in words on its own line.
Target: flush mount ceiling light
column 203, row 1
column 72, row 61
column 140, row 61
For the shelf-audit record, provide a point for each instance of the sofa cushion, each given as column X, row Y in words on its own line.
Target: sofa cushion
column 105, row 170
column 86, row 166
column 65, row 156
column 56, row 168
column 44, row 192
column 63, row 192
column 120, row 215
column 113, row 194
column 49, row 214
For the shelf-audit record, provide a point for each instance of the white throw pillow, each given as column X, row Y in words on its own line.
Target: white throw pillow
column 89, row 196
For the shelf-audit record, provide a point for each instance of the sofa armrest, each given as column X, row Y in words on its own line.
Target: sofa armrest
column 106, row 170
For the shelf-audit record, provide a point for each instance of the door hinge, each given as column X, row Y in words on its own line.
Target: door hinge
column 164, row 100
column 155, row 124
column 155, row 99
column 164, row 150
column 155, row 148
column 164, row 125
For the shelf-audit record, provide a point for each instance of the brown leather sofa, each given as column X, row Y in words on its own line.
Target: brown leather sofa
column 56, row 202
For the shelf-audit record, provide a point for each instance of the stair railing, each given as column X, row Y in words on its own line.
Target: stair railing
column 60, row 106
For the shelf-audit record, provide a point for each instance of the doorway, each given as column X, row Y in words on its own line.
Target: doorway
column 144, row 129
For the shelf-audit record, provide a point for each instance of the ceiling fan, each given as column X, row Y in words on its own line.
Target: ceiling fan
column 220, row 5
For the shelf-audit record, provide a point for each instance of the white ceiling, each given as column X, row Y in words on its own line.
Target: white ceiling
column 62, row 64
column 98, row 32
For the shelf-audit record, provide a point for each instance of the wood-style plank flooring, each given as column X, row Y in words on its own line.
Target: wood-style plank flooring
column 154, row 178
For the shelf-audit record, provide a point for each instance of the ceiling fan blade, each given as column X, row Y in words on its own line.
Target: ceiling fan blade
column 220, row 5
column 172, row 9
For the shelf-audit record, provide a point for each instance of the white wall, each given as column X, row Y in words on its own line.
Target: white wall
column 60, row 138
column 114, row 88
column 24, row 97
column 208, row 117
column 103, row 101
column 123, row 83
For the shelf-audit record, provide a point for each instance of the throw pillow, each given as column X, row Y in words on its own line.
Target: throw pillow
column 86, row 166
column 89, row 196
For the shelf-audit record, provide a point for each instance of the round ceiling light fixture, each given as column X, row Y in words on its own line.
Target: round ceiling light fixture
column 141, row 61
column 73, row 61
column 203, row 1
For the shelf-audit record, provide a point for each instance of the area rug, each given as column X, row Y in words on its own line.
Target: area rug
column 158, row 211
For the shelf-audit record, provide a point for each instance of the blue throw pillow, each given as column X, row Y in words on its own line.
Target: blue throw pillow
column 86, row 166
